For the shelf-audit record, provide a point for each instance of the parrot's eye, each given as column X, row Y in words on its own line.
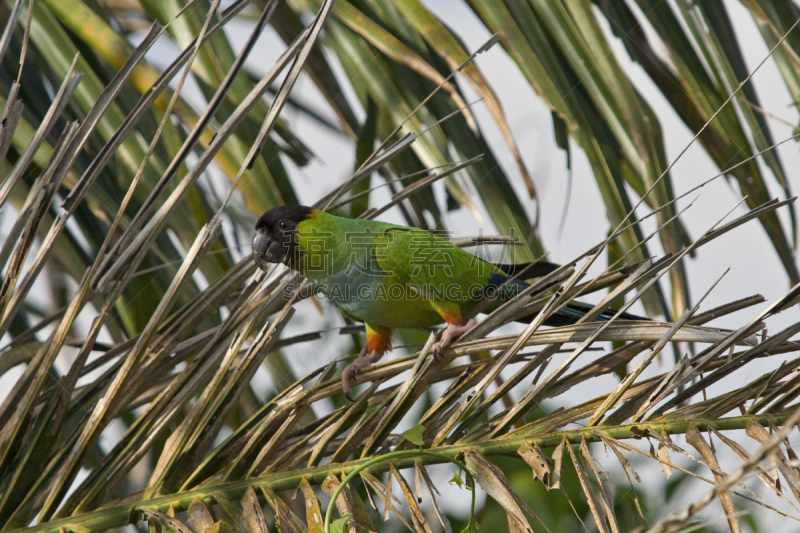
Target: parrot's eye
column 283, row 225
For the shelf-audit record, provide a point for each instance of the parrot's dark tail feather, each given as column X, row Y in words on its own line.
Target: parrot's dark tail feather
column 528, row 270
column 564, row 317
column 574, row 311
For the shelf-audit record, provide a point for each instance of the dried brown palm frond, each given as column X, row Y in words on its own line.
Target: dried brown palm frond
column 165, row 360
column 274, row 450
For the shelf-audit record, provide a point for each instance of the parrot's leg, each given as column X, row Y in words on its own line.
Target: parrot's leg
column 364, row 359
column 455, row 325
column 450, row 334
column 379, row 341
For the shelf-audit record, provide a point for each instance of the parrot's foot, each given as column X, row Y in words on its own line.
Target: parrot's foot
column 363, row 360
column 451, row 333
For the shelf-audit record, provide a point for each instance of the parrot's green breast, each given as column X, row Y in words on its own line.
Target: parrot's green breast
column 388, row 275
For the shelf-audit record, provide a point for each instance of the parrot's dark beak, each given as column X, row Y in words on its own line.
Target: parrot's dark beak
column 266, row 251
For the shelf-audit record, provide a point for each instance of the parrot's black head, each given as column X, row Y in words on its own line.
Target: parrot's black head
column 274, row 241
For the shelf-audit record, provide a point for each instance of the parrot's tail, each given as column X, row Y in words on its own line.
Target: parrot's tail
column 522, row 271
column 574, row 310
column 570, row 314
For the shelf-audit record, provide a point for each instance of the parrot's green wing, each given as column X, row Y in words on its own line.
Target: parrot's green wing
column 428, row 262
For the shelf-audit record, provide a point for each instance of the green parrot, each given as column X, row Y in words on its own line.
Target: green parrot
column 389, row 276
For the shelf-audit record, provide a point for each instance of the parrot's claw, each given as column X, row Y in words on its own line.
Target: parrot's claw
column 450, row 334
column 363, row 360
column 435, row 351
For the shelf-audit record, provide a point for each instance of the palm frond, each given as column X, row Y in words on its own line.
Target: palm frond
column 156, row 324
